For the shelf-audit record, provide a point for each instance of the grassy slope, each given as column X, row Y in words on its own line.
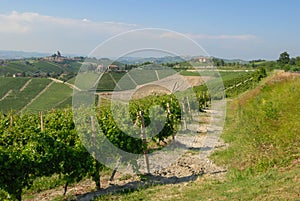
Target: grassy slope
column 263, row 158
column 38, row 66
column 55, row 94
column 18, row 99
column 10, row 83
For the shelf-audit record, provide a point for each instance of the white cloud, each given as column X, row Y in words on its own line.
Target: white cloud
column 26, row 22
column 35, row 32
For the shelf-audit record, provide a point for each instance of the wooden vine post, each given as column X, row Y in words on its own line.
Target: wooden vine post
column 184, row 114
column 144, row 140
column 93, row 130
column 115, row 169
column 42, row 121
column 189, row 108
column 169, row 115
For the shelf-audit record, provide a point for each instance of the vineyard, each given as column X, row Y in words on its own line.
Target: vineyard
column 55, row 95
column 35, row 145
column 18, row 99
column 32, row 94
column 29, row 94
column 111, row 81
column 33, row 67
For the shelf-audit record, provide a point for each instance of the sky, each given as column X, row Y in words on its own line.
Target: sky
column 233, row 29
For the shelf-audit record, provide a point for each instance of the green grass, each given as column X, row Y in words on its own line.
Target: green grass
column 273, row 185
column 72, row 80
column 45, row 183
column 232, row 75
column 55, row 94
column 263, row 159
column 189, row 73
column 267, row 125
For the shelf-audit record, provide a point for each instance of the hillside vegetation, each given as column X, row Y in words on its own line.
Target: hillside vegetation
column 32, row 94
column 39, row 68
column 263, row 157
column 40, row 94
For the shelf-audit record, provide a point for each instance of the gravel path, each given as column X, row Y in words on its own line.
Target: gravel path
column 190, row 164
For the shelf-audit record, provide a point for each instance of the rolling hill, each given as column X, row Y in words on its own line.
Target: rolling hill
column 37, row 67
column 32, row 94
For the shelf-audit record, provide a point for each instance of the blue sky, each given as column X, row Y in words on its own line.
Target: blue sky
column 229, row 29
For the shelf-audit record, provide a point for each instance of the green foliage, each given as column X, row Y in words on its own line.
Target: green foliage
column 28, row 152
column 244, row 82
column 284, row 58
column 218, row 62
column 155, row 110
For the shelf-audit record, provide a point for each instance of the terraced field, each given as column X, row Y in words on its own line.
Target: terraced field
column 33, row 94
column 143, row 76
column 38, row 66
column 125, row 81
column 18, row 99
column 9, row 83
column 40, row 94
column 54, row 95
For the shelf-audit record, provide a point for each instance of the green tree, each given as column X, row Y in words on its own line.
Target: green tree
column 292, row 61
column 297, row 59
column 222, row 62
column 284, row 58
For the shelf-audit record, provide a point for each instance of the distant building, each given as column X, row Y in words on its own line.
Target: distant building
column 18, row 75
column 58, row 58
column 100, row 68
column 113, row 67
column 202, row 59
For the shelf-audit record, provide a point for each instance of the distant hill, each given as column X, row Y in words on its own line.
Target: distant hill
column 240, row 61
column 38, row 68
column 159, row 60
column 4, row 54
